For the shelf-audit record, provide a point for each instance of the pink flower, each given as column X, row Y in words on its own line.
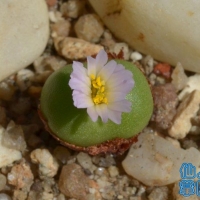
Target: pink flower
column 101, row 88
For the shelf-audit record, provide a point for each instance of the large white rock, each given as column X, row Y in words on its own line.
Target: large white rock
column 24, row 31
column 167, row 30
column 156, row 162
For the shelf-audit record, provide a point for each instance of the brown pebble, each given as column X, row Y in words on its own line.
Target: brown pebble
column 35, row 91
column 73, row 182
column 61, row 28
column 165, row 101
column 89, row 28
column 51, row 3
column 21, row 176
column 74, row 48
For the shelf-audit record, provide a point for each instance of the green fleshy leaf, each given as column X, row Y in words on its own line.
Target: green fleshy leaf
column 74, row 125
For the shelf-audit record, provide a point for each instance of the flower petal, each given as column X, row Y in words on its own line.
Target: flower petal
column 126, row 87
column 115, row 96
column 91, row 66
column 114, row 116
column 121, row 106
column 92, row 113
column 119, row 68
column 76, row 84
column 102, row 112
column 107, row 70
column 101, row 60
column 82, row 77
column 118, row 77
column 79, row 74
column 78, row 67
column 82, row 101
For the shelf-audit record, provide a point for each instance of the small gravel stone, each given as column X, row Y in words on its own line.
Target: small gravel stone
column 35, row 91
column 113, row 171
column 85, row 161
column 107, row 39
column 22, row 106
column 89, row 28
column 187, row 143
column 73, row 182
column 14, row 155
column 61, row 197
column 165, row 102
column 103, row 182
column 135, row 198
column 3, row 181
column 48, row 166
column 61, row 28
column 48, row 63
column 185, row 112
column 62, row 154
column 135, row 56
column 4, row 196
column 195, row 130
column 179, row 78
column 19, row 195
column 74, row 48
column 73, row 8
column 148, row 63
column 192, row 84
column 159, row 193
column 13, row 137
column 162, row 70
column 21, row 176
column 121, row 47
column 106, row 161
column 33, row 195
column 55, row 16
column 23, row 78
column 100, row 171
column 7, row 90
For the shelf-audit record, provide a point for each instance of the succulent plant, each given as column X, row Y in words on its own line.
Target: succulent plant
column 97, row 110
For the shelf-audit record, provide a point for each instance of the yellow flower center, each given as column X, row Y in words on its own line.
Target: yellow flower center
column 98, row 90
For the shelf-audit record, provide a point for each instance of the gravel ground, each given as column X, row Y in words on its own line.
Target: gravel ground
column 43, row 169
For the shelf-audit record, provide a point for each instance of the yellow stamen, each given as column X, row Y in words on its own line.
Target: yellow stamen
column 98, row 90
column 92, row 76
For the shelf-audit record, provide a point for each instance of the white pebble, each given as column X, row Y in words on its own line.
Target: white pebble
column 24, row 34
column 135, row 56
column 4, row 196
column 85, row 161
column 23, row 78
column 13, row 137
column 113, row 171
column 156, row 27
column 192, row 84
column 120, row 197
column 185, row 112
column 121, row 47
column 7, row 155
column 89, row 28
column 2, row 182
column 161, row 156
column 48, row 166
